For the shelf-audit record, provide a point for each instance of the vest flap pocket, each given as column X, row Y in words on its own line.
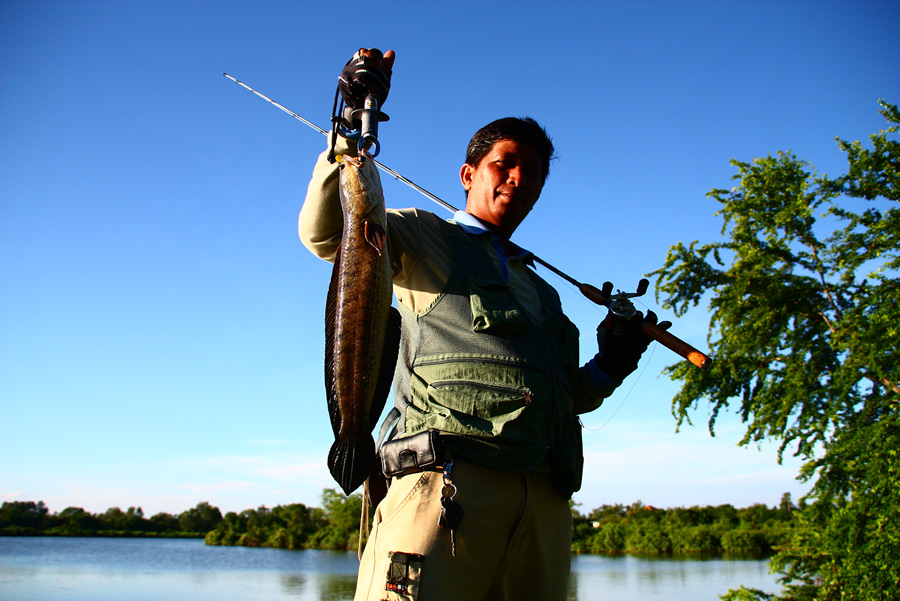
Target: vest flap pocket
column 481, row 399
column 485, row 410
column 483, row 396
column 493, row 309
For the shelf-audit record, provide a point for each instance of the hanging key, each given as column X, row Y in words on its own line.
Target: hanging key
column 451, row 517
column 451, row 511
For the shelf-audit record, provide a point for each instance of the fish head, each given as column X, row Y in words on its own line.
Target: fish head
column 360, row 185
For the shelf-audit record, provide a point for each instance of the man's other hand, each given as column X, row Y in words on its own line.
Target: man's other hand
column 619, row 353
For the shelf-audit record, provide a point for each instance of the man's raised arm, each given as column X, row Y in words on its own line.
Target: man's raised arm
column 321, row 220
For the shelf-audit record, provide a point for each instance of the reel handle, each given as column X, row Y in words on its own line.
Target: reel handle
column 665, row 338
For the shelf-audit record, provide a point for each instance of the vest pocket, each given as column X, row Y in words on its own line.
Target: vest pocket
column 483, row 409
column 567, row 455
column 493, row 309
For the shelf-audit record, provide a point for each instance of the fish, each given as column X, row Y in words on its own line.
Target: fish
column 362, row 329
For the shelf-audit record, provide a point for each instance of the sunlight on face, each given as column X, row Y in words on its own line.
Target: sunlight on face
column 504, row 186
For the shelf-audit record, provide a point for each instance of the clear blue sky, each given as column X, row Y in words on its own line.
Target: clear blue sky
column 160, row 323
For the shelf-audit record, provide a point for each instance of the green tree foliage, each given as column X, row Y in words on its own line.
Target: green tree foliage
column 640, row 529
column 805, row 307
column 27, row 518
column 335, row 527
column 201, row 519
column 342, row 514
column 609, row 529
column 131, row 520
column 164, row 522
column 284, row 527
column 24, row 517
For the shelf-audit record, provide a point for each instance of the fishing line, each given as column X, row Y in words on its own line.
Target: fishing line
column 628, row 394
column 640, row 374
column 636, row 381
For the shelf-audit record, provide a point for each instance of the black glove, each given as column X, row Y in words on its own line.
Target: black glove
column 368, row 72
column 619, row 353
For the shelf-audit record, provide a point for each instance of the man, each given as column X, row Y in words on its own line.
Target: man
column 488, row 367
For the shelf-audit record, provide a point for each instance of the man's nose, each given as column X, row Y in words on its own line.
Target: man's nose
column 514, row 175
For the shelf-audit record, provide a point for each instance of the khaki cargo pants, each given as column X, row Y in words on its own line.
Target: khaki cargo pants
column 513, row 542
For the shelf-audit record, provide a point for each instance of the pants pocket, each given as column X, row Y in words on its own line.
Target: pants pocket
column 401, row 492
column 403, row 577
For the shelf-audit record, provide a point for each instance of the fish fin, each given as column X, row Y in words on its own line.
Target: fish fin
column 388, row 363
column 351, row 462
column 330, row 319
column 375, row 235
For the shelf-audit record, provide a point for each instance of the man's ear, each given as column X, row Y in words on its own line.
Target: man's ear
column 466, row 173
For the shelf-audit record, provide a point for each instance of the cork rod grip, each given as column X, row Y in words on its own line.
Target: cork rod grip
column 677, row 345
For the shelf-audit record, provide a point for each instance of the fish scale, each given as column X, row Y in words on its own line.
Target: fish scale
column 362, row 330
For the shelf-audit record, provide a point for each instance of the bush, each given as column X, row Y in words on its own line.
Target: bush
column 745, row 541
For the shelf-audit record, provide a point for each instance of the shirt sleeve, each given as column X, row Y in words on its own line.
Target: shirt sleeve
column 596, row 386
column 321, row 221
column 592, row 387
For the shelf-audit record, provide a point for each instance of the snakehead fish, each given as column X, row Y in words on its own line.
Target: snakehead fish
column 362, row 330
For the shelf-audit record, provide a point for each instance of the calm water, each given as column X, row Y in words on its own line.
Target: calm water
column 122, row 569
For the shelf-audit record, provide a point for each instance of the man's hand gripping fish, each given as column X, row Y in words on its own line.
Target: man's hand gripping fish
column 362, row 330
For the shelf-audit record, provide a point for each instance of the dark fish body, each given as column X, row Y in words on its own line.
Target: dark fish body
column 361, row 328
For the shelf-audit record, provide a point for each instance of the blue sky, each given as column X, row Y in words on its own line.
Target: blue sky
column 160, row 323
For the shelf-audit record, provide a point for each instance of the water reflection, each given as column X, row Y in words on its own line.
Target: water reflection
column 629, row 578
column 294, row 584
column 48, row 569
column 573, row 587
column 337, row 587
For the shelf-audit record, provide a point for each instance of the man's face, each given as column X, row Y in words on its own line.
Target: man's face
column 503, row 187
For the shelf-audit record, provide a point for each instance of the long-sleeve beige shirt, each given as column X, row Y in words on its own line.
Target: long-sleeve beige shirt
column 420, row 258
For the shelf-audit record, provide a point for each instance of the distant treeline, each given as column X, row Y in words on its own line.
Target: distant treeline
column 609, row 529
column 640, row 529
column 335, row 526
column 27, row 518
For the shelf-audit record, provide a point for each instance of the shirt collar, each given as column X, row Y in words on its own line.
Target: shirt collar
column 471, row 225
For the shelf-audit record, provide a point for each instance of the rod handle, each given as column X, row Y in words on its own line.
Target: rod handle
column 593, row 294
column 668, row 340
column 677, row 345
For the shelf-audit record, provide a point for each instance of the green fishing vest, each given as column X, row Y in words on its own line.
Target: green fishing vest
column 495, row 385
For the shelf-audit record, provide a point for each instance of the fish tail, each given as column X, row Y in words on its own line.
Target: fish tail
column 350, row 462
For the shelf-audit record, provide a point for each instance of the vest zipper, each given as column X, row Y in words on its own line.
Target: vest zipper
column 488, row 360
column 525, row 393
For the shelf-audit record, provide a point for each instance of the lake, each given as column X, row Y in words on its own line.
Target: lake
column 133, row 569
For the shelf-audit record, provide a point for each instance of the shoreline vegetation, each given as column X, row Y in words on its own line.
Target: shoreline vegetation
column 756, row 531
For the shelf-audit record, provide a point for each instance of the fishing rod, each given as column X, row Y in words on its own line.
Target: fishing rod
column 380, row 165
column 619, row 304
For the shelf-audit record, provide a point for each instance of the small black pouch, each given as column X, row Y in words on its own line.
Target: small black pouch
column 415, row 453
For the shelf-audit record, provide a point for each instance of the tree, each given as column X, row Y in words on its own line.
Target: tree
column 804, row 306
column 164, row 522
column 202, row 518
column 25, row 515
column 75, row 520
column 341, row 530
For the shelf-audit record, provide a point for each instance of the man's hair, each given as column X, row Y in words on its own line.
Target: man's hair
column 523, row 130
